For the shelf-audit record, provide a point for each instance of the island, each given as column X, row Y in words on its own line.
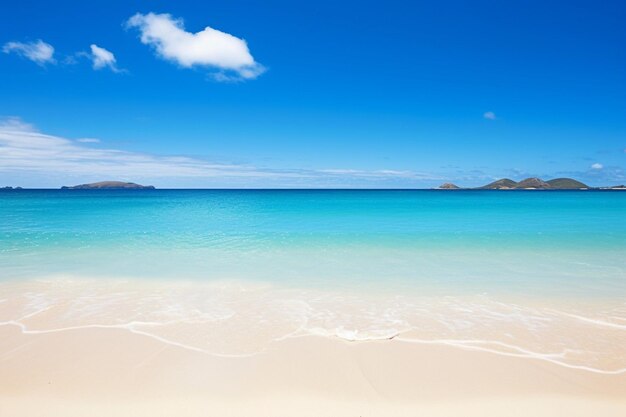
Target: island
column 532, row 183
column 109, row 185
column 449, row 186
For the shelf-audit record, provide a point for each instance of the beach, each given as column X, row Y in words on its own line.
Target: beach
column 66, row 358
column 113, row 372
column 321, row 303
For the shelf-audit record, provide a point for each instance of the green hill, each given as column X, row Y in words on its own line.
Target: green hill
column 566, row 184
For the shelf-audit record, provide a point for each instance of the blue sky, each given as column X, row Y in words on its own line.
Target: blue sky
column 318, row 94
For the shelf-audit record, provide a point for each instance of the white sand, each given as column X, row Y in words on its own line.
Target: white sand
column 112, row 372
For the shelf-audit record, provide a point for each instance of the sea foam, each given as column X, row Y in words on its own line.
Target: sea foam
column 239, row 319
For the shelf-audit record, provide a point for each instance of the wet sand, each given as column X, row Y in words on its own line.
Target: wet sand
column 108, row 371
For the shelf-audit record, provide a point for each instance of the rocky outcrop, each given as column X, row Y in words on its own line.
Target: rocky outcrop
column 533, row 183
column 503, row 184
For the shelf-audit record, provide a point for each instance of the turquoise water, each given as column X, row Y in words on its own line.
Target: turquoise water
column 525, row 242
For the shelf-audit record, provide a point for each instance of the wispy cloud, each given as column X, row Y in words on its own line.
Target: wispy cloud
column 25, row 151
column 23, row 148
column 102, row 58
column 489, row 115
column 380, row 174
column 38, row 51
column 597, row 166
column 208, row 48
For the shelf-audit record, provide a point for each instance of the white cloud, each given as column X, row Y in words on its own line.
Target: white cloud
column 27, row 153
column 23, row 148
column 207, row 48
column 38, row 51
column 101, row 58
column 597, row 166
column 489, row 115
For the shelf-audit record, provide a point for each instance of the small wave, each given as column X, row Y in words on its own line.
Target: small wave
column 481, row 345
column 231, row 319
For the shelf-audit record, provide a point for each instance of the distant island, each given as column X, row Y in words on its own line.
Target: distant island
column 536, row 184
column 531, row 184
column 109, row 185
column 449, row 186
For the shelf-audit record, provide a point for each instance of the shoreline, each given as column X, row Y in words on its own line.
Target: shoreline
column 237, row 319
column 70, row 348
column 482, row 346
column 112, row 371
